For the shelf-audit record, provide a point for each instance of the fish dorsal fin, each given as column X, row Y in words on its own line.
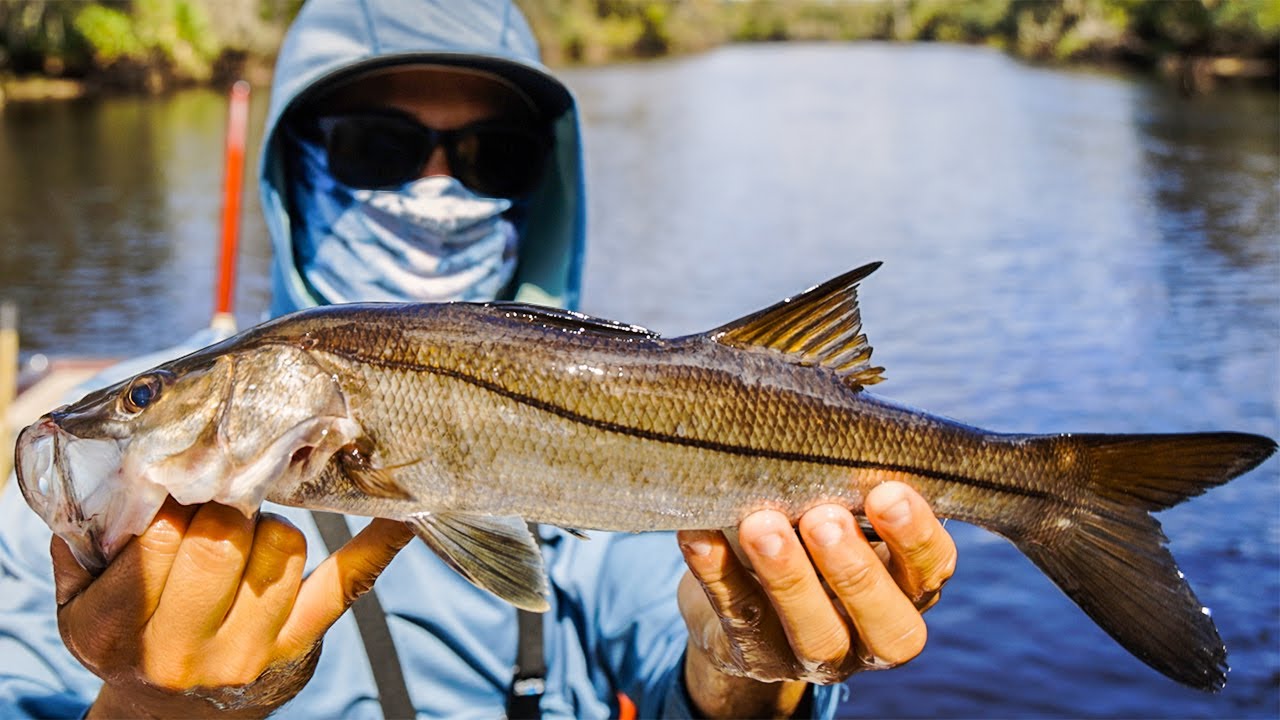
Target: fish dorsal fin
column 497, row 554
column 821, row 327
column 568, row 319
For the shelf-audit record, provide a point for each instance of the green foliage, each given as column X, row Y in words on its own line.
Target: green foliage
column 37, row 35
column 602, row 30
column 1043, row 29
column 171, row 33
column 177, row 30
column 110, row 33
column 774, row 20
column 183, row 39
column 972, row 21
column 154, row 43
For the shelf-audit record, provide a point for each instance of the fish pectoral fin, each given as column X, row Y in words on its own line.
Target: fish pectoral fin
column 821, row 327
column 497, row 554
column 370, row 480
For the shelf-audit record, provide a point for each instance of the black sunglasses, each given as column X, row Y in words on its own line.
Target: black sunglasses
column 384, row 149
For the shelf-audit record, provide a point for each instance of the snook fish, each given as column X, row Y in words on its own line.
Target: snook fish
column 467, row 420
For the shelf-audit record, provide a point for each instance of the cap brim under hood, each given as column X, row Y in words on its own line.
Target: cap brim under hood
column 333, row 41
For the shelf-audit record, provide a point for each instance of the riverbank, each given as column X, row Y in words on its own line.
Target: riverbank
column 1192, row 74
column 55, row 50
column 1197, row 44
column 257, row 70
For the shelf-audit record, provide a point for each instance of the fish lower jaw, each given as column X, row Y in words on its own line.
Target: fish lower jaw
column 125, row 514
column 87, row 553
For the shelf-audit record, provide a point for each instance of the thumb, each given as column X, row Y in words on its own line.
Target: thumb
column 340, row 580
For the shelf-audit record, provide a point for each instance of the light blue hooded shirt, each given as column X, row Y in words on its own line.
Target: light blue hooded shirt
column 331, row 42
column 613, row 625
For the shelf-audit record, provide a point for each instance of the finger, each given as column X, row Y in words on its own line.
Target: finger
column 120, row 601
column 922, row 553
column 732, row 590
column 889, row 627
column 267, row 589
column 817, row 633
column 203, row 581
column 705, row 630
column 340, row 580
column 744, row 615
column 141, row 567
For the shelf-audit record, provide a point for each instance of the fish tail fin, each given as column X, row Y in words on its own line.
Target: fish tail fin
column 1109, row 555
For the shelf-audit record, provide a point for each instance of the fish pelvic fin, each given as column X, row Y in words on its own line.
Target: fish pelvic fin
column 498, row 554
column 1109, row 554
column 821, row 326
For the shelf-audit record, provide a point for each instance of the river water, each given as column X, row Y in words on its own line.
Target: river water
column 1064, row 251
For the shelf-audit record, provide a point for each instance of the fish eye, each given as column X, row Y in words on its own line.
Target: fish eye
column 141, row 392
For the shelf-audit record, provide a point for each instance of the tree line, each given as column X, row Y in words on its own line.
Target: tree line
column 154, row 45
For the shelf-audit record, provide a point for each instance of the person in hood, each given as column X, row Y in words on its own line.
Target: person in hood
column 418, row 151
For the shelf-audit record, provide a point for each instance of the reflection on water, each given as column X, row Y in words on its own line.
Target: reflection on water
column 1064, row 252
column 109, row 220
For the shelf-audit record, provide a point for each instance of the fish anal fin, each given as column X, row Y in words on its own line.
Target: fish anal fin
column 820, row 327
column 497, row 554
column 355, row 463
column 1115, row 566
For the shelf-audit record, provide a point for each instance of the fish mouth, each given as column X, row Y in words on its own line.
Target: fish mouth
column 46, row 461
column 97, row 493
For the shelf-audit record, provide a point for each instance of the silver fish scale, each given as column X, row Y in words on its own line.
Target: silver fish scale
column 637, row 434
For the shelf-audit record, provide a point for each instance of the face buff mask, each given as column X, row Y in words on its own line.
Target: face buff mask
column 432, row 240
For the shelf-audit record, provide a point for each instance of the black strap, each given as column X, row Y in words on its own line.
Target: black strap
column 393, row 694
column 524, row 699
column 529, row 677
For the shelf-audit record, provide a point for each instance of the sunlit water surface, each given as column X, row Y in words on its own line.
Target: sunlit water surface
column 1064, row 251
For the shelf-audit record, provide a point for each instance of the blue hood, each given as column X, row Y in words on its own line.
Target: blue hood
column 333, row 40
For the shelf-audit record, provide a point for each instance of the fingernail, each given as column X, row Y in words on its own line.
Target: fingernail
column 768, row 545
column 898, row 513
column 828, row 533
column 701, row 548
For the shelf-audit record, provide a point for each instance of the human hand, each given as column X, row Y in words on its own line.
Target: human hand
column 755, row 640
column 207, row 612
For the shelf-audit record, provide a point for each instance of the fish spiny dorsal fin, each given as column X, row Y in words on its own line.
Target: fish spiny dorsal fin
column 570, row 320
column 819, row 327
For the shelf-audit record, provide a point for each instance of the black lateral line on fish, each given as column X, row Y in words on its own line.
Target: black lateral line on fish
column 698, row 443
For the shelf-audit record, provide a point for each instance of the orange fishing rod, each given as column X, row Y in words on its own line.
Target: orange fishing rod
column 232, row 186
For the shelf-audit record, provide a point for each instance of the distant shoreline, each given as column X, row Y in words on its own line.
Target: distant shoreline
column 70, row 50
column 1192, row 74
